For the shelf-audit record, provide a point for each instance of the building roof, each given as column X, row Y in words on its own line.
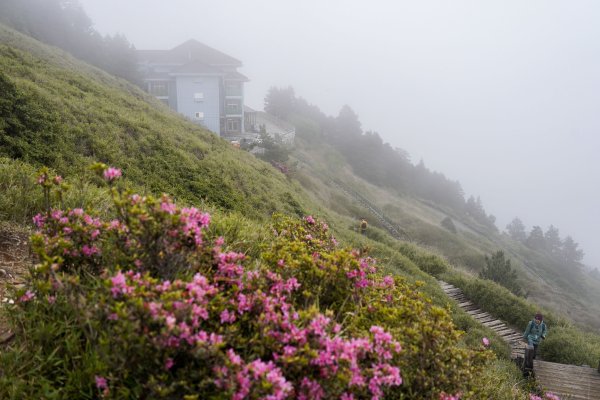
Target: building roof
column 234, row 75
column 191, row 50
column 196, row 67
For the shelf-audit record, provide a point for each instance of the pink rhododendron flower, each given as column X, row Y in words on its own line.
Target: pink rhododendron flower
column 388, row 281
column 310, row 220
column 227, row 316
column 119, row 285
column 27, row 296
column 169, row 363
column 101, row 382
column 486, row 342
column 89, row 251
column 56, row 214
column 39, row 220
column 57, row 180
column 310, row 390
column 168, row 207
column 110, row 174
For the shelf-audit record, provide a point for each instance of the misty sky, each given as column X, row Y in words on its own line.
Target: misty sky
column 502, row 96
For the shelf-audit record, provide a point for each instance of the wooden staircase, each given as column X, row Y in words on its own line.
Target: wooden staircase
column 567, row 381
column 511, row 336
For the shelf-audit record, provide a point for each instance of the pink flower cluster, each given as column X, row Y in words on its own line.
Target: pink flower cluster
column 247, row 378
column 362, row 275
column 198, row 313
column 78, row 238
column 72, row 235
column 28, row 296
column 111, row 173
column 208, row 314
column 102, row 385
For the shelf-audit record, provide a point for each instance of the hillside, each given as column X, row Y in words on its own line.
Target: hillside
column 94, row 330
column 571, row 291
column 55, row 115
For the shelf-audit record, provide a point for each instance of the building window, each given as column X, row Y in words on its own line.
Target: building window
column 233, row 125
column 199, row 115
column 233, row 88
column 198, row 97
column 158, row 88
column 233, row 107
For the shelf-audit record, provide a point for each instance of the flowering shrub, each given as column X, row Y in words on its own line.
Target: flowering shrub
column 168, row 312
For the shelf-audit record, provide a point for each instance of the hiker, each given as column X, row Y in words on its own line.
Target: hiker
column 363, row 226
column 536, row 331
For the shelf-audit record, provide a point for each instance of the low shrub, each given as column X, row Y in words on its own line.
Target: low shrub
column 150, row 305
column 427, row 262
column 21, row 200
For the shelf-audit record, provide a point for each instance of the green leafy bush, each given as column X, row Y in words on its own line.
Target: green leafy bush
column 498, row 269
column 427, row 262
column 449, row 224
column 150, row 305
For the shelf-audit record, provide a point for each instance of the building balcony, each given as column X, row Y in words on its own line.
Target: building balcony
column 233, row 92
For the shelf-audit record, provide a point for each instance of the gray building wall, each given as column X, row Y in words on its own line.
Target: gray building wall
column 186, row 103
column 173, row 94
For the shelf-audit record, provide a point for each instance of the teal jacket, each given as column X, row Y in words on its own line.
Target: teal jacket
column 534, row 333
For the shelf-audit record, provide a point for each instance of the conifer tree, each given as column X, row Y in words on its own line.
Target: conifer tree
column 499, row 270
column 536, row 240
column 552, row 240
column 516, row 230
column 570, row 253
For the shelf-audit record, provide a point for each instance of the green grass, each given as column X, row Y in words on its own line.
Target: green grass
column 59, row 112
column 60, row 115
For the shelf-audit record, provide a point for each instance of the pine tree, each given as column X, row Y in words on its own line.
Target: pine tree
column 499, row 270
column 516, row 230
column 280, row 102
column 570, row 253
column 536, row 239
column 552, row 239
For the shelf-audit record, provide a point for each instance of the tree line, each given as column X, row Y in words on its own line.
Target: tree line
column 565, row 250
column 371, row 158
column 64, row 24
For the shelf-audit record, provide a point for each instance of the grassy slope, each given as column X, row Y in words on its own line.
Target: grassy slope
column 67, row 114
column 87, row 116
column 77, row 114
column 571, row 293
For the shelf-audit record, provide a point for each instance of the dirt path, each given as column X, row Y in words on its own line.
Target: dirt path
column 15, row 259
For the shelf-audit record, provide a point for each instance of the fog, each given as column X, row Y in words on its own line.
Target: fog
column 502, row 96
